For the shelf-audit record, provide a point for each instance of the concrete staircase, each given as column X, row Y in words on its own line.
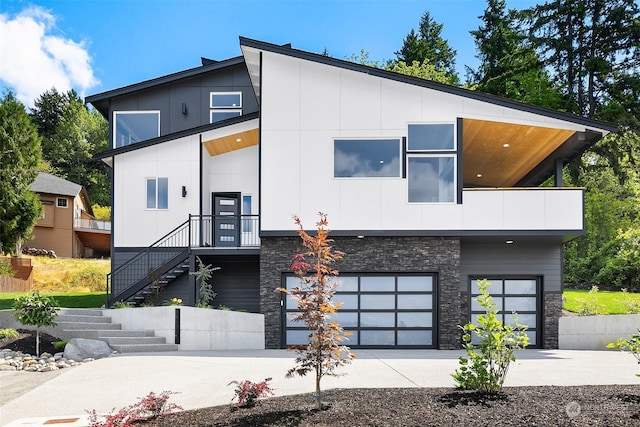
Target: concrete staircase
column 90, row 323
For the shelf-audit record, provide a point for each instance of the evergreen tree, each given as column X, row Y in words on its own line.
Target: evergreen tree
column 428, row 45
column 20, row 155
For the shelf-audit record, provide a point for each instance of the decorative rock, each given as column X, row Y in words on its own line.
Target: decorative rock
column 45, row 355
column 80, row 349
column 7, row 368
column 48, row 369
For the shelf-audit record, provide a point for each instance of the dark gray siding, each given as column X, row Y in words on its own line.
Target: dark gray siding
column 526, row 257
column 536, row 258
column 194, row 93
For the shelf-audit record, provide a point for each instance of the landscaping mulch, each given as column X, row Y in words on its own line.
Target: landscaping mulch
column 26, row 343
column 617, row 405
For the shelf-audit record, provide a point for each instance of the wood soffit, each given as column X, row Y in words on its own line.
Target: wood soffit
column 232, row 142
column 500, row 154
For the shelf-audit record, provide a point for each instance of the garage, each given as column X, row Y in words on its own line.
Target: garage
column 380, row 311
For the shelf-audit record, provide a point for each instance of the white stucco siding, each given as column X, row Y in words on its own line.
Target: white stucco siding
column 233, row 172
column 178, row 160
column 306, row 105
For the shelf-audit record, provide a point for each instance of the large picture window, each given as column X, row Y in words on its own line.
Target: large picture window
column 157, row 193
column 354, row 158
column 225, row 105
column 431, row 163
column 131, row 127
column 431, row 179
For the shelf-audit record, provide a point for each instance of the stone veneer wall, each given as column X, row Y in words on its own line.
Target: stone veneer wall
column 439, row 255
column 552, row 311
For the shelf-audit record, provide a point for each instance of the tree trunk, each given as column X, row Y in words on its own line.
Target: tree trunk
column 37, row 342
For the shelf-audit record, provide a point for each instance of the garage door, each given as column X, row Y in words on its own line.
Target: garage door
column 519, row 295
column 380, row 311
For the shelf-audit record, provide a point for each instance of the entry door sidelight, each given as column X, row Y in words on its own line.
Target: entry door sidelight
column 226, row 219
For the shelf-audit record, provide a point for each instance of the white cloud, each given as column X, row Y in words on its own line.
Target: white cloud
column 34, row 59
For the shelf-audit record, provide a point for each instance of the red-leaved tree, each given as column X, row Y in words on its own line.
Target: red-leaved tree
column 324, row 352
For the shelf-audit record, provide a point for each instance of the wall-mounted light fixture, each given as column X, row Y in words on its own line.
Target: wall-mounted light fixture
column 184, row 191
column 184, row 108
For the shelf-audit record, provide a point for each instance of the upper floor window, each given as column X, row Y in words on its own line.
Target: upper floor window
column 62, row 202
column 130, row 127
column 225, row 105
column 431, row 163
column 157, row 193
column 366, row 158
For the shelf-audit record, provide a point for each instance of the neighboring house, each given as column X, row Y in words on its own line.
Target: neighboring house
column 428, row 188
column 67, row 225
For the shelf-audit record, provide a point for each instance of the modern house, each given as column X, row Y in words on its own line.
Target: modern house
column 67, row 225
column 428, row 188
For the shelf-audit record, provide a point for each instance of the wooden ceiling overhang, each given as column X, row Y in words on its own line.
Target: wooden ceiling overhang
column 497, row 154
column 231, row 142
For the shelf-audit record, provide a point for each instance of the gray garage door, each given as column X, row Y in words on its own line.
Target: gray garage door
column 381, row 311
column 519, row 295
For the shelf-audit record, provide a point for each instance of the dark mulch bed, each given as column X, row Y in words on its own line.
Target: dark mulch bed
column 518, row 406
column 26, row 343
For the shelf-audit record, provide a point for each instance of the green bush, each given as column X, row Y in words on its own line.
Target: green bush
column 5, row 267
column 8, row 333
column 486, row 364
column 59, row 345
column 589, row 306
column 37, row 310
column 632, row 345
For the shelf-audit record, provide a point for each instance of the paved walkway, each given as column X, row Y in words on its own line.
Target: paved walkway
column 202, row 378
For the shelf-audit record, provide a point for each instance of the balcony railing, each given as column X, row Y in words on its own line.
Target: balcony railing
column 92, row 224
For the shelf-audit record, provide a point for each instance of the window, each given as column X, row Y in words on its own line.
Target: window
column 62, row 202
column 431, row 163
column 431, row 179
column 354, row 158
column 247, row 225
column 225, row 105
column 131, row 127
column 157, row 193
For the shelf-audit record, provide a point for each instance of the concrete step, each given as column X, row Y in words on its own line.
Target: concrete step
column 66, row 318
column 142, row 348
column 114, row 341
column 88, row 325
column 80, row 311
column 104, row 333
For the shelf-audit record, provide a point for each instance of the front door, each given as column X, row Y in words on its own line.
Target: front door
column 226, row 219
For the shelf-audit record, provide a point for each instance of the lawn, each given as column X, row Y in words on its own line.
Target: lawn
column 67, row 300
column 605, row 302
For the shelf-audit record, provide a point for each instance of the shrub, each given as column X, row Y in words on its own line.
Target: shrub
column 324, row 352
column 36, row 310
column 120, row 304
column 632, row 305
column 632, row 345
column 589, row 306
column 248, row 392
column 173, row 301
column 8, row 333
column 5, row 267
column 486, row 364
column 203, row 275
column 59, row 345
column 148, row 407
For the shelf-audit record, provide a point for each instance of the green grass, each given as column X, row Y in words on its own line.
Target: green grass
column 66, row 300
column 606, row 302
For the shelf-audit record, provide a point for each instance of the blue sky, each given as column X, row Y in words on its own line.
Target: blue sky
column 97, row 45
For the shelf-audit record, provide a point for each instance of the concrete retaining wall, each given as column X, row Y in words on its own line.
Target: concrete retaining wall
column 595, row 332
column 200, row 328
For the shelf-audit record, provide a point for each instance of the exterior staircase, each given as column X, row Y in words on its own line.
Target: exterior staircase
column 90, row 323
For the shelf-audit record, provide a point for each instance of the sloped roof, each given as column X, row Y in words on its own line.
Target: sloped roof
column 101, row 100
column 47, row 183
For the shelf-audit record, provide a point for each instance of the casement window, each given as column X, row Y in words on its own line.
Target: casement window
column 431, row 163
column 247, row 225
column 62, row 202
column 157, row 193
column 130, row 127
column 357, row 158
column 224, row 105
